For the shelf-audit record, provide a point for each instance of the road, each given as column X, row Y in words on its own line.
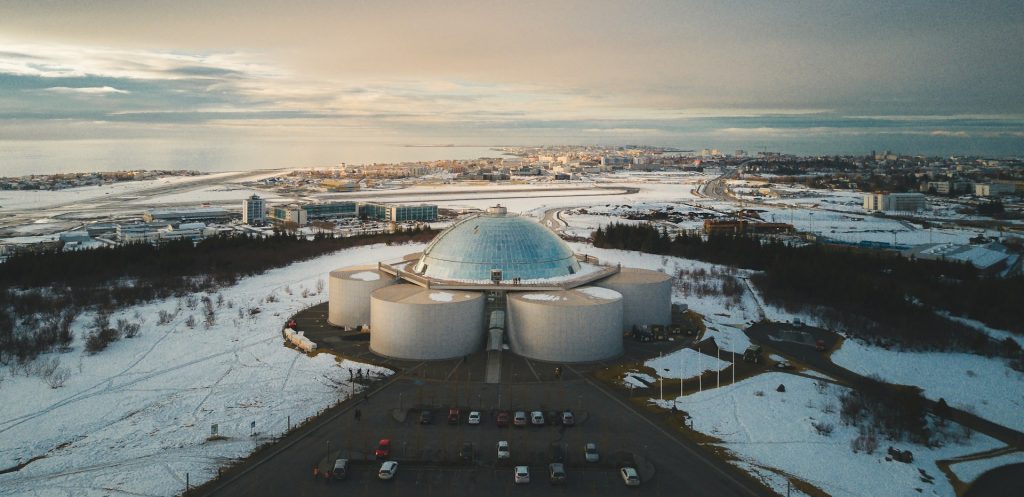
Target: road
column 805, row 353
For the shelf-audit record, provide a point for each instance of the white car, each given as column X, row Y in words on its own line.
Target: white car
column 522, row 474
column 630, row 477
column 519, row 419
column 504, row 452
column 537, row 418
column 474, row 418
column 387, row 470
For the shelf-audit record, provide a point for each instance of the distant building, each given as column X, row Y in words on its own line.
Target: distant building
column 397, row 212
column 894, row 202
column 289, row 214
column 331, row 210
column 993, row 189
column 188, row 215
column 254, row 211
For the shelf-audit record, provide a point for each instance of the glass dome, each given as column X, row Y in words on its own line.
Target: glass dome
column 518, row 246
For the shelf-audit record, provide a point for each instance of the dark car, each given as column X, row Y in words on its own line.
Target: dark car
column 466, row 453
column 453, row 416
column 383, row 449
column 556, row 473
column 426, row 417
column 502, row 419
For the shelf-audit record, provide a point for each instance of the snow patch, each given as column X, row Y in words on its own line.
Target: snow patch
column 685, row 363
column 366, row 276
column 542, row 296
column 600, row 293
column 442, row 296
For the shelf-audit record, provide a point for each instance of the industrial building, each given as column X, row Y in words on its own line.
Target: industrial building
column 188, row 215
column 894, row 202
column 502, row 281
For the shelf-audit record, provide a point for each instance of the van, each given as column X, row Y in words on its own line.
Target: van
column 340, row 469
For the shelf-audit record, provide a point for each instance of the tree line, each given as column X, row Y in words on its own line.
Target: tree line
column 878, row 295
column 42, row 293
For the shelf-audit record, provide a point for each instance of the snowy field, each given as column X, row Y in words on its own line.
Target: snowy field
column 774, row 432
column 146, row 404
column 985, row 386
column 968, row 471
column 89, row 195
column 686, row 363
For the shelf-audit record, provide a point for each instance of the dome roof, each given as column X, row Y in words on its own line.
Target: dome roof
column 518, row 246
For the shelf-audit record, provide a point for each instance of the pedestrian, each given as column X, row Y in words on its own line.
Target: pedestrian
column 316, row 471
column 327, row 476
column 359, row 414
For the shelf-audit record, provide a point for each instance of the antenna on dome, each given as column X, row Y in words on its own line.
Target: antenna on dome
column 497, row 210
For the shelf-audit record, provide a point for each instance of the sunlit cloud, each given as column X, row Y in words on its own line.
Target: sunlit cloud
column 89, row 90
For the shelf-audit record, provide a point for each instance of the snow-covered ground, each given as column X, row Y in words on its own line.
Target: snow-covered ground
column 774, row 432
column 968, row 471
column 686, row 363
column 149, row 401
column 993, row 333
column 37, row 199
column 986, row 386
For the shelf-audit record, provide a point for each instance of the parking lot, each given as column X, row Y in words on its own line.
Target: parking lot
column 428, row 455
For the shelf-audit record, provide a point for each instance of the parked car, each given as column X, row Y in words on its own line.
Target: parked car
column 537, row 418
column 629, row 476
column 426, row 417
column 502, row 419
column 474, row 418
column 556, row 473
column 590, row 452
column 340, row 471
column 519, row 419
column 387, row 470
column 522, row 474
column 466, row 452
column 383, row 449
column 568, row 419
column 819, row 345
column 783, row 365
column 504, row 451
column 453, row 416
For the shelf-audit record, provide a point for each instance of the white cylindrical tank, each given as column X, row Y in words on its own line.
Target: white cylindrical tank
column 646, row 296
column 349, row 291
column 579, row 325
column 411, row 322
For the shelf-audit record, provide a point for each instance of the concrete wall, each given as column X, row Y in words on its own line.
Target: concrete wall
column 406, row 324
column 349, row 298
column 646, row 296
column 565, row 331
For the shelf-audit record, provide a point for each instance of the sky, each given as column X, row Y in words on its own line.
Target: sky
column 805, row 76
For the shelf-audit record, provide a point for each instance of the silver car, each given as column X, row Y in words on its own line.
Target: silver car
column 590, row 451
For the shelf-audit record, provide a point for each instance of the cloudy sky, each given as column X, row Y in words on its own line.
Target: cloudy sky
column 934, row 76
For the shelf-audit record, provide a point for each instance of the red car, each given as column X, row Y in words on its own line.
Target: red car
column 453, row 416
column 383, row 449
column 502, row 419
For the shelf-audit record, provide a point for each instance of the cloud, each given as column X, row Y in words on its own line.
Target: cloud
column 90, row 90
